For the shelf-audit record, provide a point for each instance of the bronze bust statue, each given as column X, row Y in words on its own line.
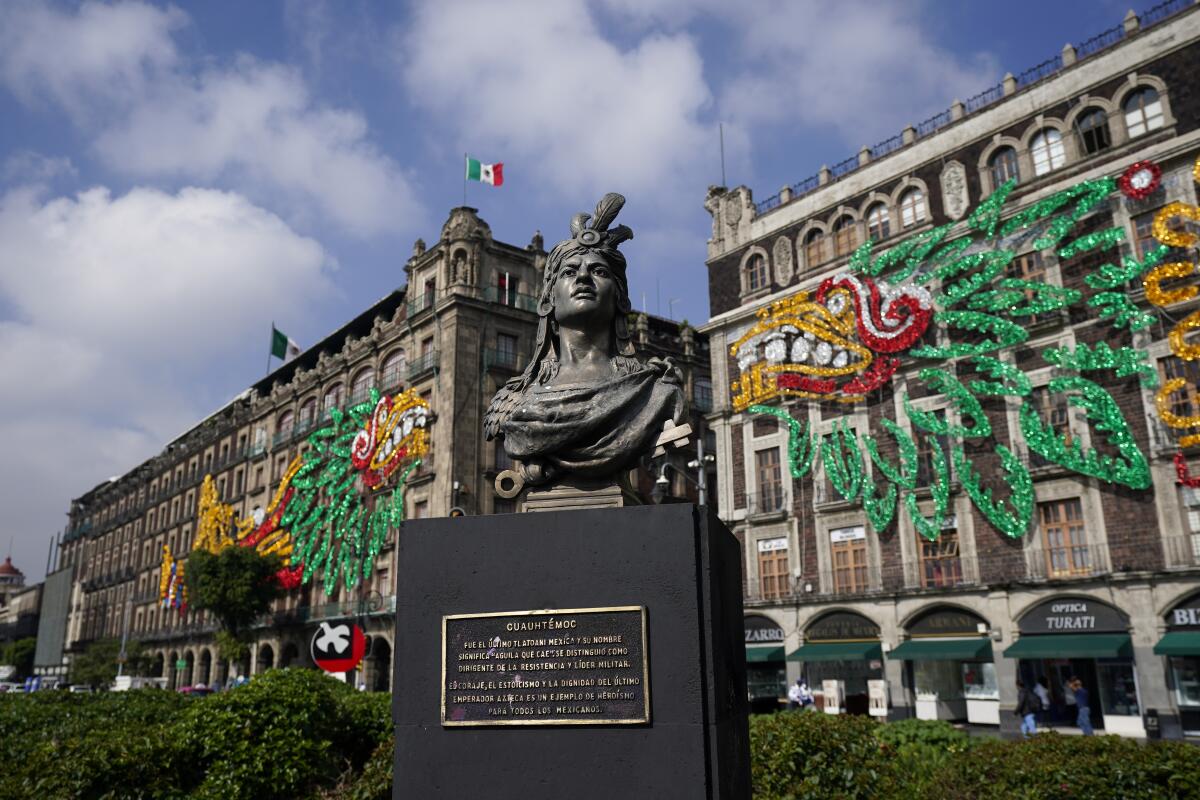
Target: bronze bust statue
column 585, row 406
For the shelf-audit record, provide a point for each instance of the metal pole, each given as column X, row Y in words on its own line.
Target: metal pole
column 124, row 636
column 721, row 127
column 702, row 478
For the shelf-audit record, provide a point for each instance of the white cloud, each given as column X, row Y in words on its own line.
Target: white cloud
column 862, row 69
column 539, row 82
column 28, row 166
column 98, row 55
column 121, row 307
column 251, row 125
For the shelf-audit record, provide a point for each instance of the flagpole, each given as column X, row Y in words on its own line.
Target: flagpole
column 465, row 158
column 269, row 348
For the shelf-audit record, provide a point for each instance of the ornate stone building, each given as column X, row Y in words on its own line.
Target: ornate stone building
column 460, row 327
column 1104, row 582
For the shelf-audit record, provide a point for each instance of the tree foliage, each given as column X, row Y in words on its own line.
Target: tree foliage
column 236, row 585
column 19, row 654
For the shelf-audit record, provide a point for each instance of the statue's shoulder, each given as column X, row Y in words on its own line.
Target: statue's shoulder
column 502, row 406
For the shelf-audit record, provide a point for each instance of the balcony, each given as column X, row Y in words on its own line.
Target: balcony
column 1072, row 561
column 303, row 427
column 393, row 377
column 1181, row 551
column 525, row 302
column 420, row 303
column 501, row 359
column 765, row 504
column 423, row 365
column 282, row 437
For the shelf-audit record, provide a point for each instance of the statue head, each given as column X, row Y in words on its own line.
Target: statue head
column 584, row 283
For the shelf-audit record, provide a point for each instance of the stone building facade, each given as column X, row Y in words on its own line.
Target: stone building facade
column 463, row 324
column 903, row 626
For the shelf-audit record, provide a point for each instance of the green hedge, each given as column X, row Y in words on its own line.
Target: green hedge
column 301, row 734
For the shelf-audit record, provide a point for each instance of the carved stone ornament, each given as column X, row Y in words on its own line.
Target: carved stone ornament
column 955, row 197
column 781, row 256
column 586, row 409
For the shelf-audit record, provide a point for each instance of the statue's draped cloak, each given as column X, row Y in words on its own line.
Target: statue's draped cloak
column 594, row 431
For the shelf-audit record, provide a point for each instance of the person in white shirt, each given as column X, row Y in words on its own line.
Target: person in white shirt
column 795, row 696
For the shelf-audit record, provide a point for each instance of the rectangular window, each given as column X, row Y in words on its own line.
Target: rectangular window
column 420, row 509
column 237, row 482
column 506, row 288
column 1054, row 412
column 848, row 551
column 506, row 350
column 925, row 446
column 770, row 481
column 773, row 567
column 940, row 562
column 1030, row 267
column 430, row 292
column 1184, row 401
column 1065, row 538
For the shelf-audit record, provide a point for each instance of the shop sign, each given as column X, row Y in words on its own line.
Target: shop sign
column 947, row 622
column 841, row 625
column 847, row 534
column 772, row 545
column 761, row 630
column 1185, row 616
column 1073, row 615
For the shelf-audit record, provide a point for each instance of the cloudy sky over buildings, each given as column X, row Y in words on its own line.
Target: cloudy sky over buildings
column 173, row 178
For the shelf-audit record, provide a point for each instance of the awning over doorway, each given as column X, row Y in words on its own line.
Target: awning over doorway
column 756, row 655
column 1179, row 643
column 1072, row 645
column 837, row 651
column 943, row 650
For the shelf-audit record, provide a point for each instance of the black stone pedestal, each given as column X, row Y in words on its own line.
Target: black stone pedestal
column 679, row 562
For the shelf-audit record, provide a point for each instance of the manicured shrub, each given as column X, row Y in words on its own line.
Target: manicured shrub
column 797, row 755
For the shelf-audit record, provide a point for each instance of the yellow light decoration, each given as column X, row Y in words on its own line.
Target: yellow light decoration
column 1162, row 400
column 164, row 575
column 1188, row 352
column 278, row 540
column 1196, row 170
column 213, row 519
column 1165, row 297
column 1175, row 238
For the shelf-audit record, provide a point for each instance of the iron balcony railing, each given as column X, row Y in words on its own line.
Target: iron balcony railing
column 504, row 359
column 420, row 303
column 525, row 302
column 1181, row 551
column 424, row 363
column 1067, row 561
column 769, row 502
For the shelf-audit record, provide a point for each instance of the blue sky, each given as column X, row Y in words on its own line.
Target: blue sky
column 173, row 178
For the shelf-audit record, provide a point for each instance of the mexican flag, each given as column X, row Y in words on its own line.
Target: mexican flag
column 485, row 173
column 282, row 346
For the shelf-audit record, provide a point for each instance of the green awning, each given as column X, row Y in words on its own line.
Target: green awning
column 760, row 653
column 1072, row 645
column 943, row 650
column 1179, row 643
column 837, row 651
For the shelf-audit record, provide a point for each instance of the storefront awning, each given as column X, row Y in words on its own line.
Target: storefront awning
column 1072, row 645
column 756, row 655
column 1179, row 643
column 837, row 651
column 943, row 650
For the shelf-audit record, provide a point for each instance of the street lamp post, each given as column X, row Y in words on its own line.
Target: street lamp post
column 702, row 460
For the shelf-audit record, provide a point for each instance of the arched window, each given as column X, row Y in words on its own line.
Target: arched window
column 845, row 237
column 1047, row 151
column 283, row 430
column 1003, row 166
column 878, row 222
column 912, row 208
column 756, row 272
column 361, row 388
column 308, row 413
column 394, row 367
column 1143, row 111
column 333, row 397
column 1093, row 130
column 814, row 248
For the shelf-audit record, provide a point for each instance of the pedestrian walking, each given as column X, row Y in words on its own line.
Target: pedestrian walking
column 1027, row 705
column 1042, row 690
column 794, row 696
column 1084, row 718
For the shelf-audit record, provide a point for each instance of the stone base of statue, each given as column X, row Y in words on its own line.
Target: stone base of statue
column 577, row 495
column 596, row 653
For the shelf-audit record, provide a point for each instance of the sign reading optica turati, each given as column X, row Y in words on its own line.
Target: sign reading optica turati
column 762, row 630
column 577, row 666
column 1073, row 615
column 1186, row 615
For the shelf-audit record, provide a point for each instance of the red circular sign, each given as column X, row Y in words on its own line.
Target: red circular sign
column 338, row 646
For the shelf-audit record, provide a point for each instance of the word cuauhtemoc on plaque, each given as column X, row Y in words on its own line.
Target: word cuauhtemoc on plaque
column 578, row 666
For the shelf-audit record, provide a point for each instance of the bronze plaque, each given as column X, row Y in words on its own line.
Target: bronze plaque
column 576, row 666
